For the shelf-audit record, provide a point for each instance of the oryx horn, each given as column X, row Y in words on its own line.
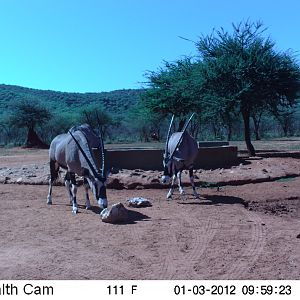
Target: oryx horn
column 168, row 136
column 101, row 146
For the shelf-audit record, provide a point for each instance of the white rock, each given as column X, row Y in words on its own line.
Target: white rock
column 138, row 202
column 118, row 213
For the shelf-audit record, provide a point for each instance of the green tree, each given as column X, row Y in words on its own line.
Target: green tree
column 246, row 73
column 30, row 114
column 95, row 115
column 146, row 123
column 60, row 122
column 171, row 89
column 285, row 117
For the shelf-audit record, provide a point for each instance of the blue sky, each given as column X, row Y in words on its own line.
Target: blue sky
column 97, row 45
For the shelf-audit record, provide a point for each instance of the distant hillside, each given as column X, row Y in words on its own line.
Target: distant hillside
column 114, row 102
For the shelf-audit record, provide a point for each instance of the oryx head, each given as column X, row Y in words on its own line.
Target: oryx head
column 168, row 160
column 96, row 178
column 98, row 187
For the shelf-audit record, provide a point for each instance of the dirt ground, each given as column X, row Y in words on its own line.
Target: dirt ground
column 247, row 228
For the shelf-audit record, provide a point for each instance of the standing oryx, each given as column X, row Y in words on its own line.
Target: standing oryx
column 73, row 151
column 181, row 151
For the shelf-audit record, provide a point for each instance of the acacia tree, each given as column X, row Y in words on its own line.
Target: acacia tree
column 30, row 114
column 171, row 90
column 92, row 114
column 145, row 122
column 246, row 73
column 285, row 117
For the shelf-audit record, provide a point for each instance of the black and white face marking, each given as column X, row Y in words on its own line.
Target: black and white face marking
column 98, row 187
column 101, row 192
column 168, row 170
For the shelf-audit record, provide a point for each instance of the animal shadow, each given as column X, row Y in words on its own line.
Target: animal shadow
column 133, row 217
column 215, row 200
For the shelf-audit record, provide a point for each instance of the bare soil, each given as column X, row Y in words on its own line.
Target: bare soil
column 246, row 225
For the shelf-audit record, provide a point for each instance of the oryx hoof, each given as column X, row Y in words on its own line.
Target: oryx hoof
column 181, row 191
column 88, row 207
column 197, row 196
column 49, row 200
column 75, row 210
column 102, row 203
column 169, row 196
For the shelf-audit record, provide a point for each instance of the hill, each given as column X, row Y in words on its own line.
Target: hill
column 115, row 102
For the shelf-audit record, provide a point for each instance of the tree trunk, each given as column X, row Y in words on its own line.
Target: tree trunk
column 215, row 131
column 256, row 122
column 285, row 128
column 33, row 140
column 229, row 132
column 247, row 134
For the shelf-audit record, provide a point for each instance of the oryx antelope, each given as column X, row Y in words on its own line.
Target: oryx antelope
column 73, row 151
column 180, row 153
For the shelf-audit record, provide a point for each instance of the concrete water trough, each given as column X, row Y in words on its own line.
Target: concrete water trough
column 211, row 155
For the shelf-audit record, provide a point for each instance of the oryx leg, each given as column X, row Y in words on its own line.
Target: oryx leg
column 87, row 199
column 53, row 176
column 191, row 173
column 181, row 191
column 70, row 183
column 169, row 195
column 68, row 186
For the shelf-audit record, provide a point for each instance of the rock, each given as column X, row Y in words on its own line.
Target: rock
column 4, row 179
column 132, row 185
column 298, row 236
column 140, row 187
column 155, row 180
column 138, row 202
column 115, row 183
column 19, row 180
column 117, row 214
column 135, row 174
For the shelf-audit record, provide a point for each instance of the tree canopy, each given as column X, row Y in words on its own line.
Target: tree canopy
column 171, row 89
column 246, row 73
column 30, row 114
column 235, row 74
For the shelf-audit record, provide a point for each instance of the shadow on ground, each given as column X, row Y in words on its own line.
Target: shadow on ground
column 214, row 200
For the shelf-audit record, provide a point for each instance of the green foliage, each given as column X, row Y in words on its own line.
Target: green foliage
column 66, row 110
column 243, row 73
column 238, row 82
column 28, row 114
column 115, row 102
column 171, row 89
column 59, row 123
column 96, row 117
column 145, row 122
column 238, row 74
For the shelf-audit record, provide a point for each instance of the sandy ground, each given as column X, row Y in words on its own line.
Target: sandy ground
column 241, row 230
